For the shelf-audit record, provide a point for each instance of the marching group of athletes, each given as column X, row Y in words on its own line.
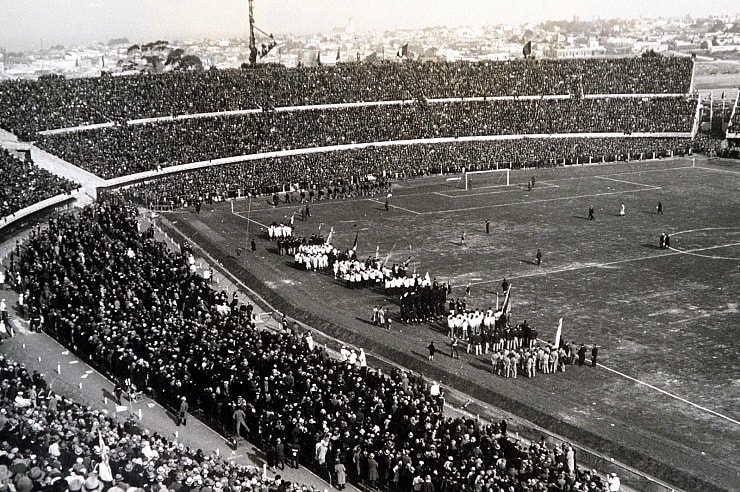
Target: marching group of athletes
column 514, row 350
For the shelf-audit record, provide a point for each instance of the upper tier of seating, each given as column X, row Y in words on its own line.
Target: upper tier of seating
column 129, row 149
column 27, row 107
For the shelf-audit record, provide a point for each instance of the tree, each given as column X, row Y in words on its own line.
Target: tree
column 175, row 57
column 190, row 62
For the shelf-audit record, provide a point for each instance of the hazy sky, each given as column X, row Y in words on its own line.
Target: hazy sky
column 26, row 24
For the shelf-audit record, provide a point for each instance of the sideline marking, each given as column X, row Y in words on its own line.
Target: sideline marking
column 684, row 400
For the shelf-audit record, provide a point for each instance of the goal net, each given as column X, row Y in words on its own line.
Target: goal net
column 484, row 179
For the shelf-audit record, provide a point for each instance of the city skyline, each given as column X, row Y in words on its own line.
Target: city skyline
column 32, row 24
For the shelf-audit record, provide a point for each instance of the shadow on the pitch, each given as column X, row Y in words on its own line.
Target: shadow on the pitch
column 110, row 396
column 529, row 262
column 480, row 365
column 580, row 217
column 366, row 321
column 437, row 354
column 650, row 246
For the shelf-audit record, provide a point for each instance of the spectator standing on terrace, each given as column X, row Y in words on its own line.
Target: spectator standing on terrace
column 372, row 469
column 240, row 422
column 341, row 472
column 182, row 414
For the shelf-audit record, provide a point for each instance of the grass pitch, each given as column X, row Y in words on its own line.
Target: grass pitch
column 665, row 398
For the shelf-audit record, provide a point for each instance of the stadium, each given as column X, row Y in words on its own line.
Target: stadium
column 140, row 238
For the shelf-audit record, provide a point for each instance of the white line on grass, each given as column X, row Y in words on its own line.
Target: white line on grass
column 394, row 206
column 684, row 400
column 629, row 182
column 717, row 170
column 544, row 200
column 238, row 214
column 609, row 263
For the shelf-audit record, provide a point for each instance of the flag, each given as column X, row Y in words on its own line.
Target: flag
column 558, row 333
column 527, row 50
column 377, row 252
column 404, row 51
column 354, row 246
column 331, row 235
column 338, row 53
column 318, row 58
column 723, row 95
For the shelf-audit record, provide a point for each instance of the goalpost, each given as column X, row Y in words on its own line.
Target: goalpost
column 489, row 177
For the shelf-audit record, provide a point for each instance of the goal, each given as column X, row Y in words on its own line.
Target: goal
column 484, row 179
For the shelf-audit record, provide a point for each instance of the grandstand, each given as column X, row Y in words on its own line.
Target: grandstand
column 322, row 132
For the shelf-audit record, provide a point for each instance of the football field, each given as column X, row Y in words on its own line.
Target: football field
column 666, row 392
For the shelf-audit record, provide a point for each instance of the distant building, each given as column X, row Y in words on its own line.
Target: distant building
column 579, row 52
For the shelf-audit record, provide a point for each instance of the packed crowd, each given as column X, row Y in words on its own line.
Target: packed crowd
column 23, row 183
column 28, row 106
column 119, row 151
column 370, row 170
column 50, row 444
column 135, row 310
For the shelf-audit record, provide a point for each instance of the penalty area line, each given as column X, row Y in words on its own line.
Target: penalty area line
column 676, row 397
